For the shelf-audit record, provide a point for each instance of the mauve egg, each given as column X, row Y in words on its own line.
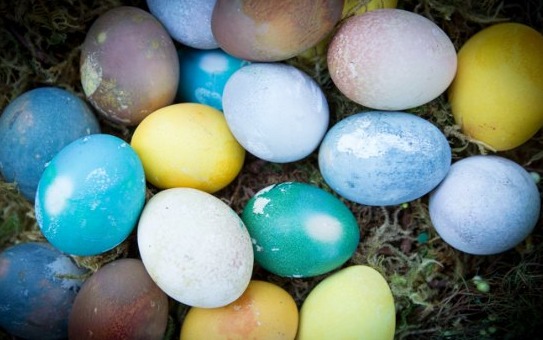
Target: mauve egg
column 272, row 30
column 391, row 59
column 129, row 65
column 119, row 301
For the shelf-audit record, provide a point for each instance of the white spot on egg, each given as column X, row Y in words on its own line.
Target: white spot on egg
column 58, row 194
column 259, row 248
column 214, row 63
column 61, row 268
column 323, row 228
column 260, row 204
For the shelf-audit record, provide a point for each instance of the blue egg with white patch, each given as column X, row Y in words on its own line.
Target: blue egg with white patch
column 38, row 285
column 203, row 75
column 384, row 158
column 34, row 127
column 90, row 195
column 300, row 230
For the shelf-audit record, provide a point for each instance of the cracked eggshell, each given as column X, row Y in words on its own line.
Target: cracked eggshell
column 486, row 205
column 128, row 65
column 384, row 158
column 391, row 59
column 90, row 195
column 195, row 247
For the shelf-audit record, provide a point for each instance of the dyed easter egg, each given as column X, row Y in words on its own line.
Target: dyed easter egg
column 90, row 195
column 263, row 311
column 34, row 127
column 188, row 145
column 195, row 247
column 486, row 205
column 38, row 285
column 353, row 302
column 275, row 111
column 272, row 30
column 300, row 230
column 129, row 65
column 203, row 75
column 391, row 59
column 119, row 301
column 497, row 94
column 384, row 158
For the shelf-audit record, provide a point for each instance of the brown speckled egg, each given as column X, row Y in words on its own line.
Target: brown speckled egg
column 272, row 30
column 129, row 65
column 119, row 301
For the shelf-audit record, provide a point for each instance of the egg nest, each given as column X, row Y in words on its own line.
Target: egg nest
column 439, row 292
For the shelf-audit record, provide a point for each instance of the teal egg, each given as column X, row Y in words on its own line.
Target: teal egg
column 300, row 230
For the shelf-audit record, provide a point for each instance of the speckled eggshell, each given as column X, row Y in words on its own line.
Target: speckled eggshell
column 195, row 247
column 187, row 21
column 391, row 59
column 129, row 65
column 90, row 195
column 203, row 75
column 486, row 205
column 276, row 112
column 34, row 127
column 384, row 158
column 119, row 301
column 300, row 230
column 38, row 285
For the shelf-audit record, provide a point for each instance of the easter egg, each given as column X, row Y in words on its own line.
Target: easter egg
column 187, row 21
column 272, row 30
column 353, row 303
column 263, row 311
column 34, row 127
column 188, row 145
column 276, row 112
column 497, row 94
column 195, row 247
column 38, row 285
column 119, row 301
column 300, row 230
column 90, row 195
column 129, row 65
column 203, row 75
column 384, row 158
column 486, row 205
column 391, row 59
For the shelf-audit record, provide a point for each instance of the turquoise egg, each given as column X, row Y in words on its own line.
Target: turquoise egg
column 90, row 195
column 300, row 230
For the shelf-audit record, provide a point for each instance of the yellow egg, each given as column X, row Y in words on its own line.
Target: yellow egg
column 263, row 311
column 353, row 303
column 497, row 94
column 188, row 145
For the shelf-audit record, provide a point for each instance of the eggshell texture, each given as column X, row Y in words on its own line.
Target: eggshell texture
column 272, row 30
column 355, row 302
column 263, row 311
column 90, row 196
column 300, row 230
column 384, row 158
column 391, row 59
column 195, row 247
column 129, row 65
column 187, row 21
column 497, row 95
column 486, row 205
column 38, row 285
column 188, row 145
column 119, row 301
column 275, row 111
column 203, row 75
column 34, row 127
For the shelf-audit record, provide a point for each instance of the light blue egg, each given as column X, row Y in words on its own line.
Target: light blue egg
column 384, row 158
column 90, row 196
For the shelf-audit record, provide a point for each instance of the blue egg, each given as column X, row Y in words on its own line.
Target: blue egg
column 384, row 158
column 38, row 285
column 91, row 194
column 34, row 127
column 203, row 75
